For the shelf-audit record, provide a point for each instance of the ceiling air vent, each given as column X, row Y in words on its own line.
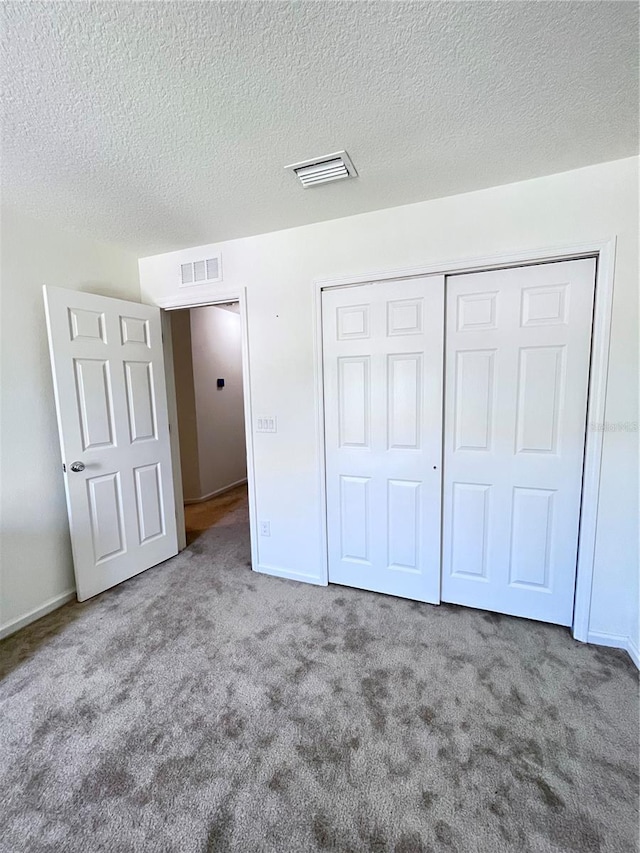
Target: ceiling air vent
column 205, row 271
column 321, row 170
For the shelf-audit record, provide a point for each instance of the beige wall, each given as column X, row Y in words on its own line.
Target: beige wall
column 591, row 204
column 216, row 339
column 207, row 345
column 186, row 404
column 36, row 571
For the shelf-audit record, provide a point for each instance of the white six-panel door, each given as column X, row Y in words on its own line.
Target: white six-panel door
column 516, row 381
column 111, row 402
column 383, row 350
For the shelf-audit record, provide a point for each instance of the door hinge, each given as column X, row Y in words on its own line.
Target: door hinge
column 64, row 467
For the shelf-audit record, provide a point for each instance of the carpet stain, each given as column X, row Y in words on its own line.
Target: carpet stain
column 428, row 798
column 375, row 693
column 232, row 724
column 427, row 714
column 549, row 796
column 219, row 835
column 324, row 833
column 444, row 834
column 109, row 779
column 280, row 779
column 409, row 843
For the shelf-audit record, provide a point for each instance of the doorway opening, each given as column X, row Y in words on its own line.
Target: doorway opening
column 208, row 371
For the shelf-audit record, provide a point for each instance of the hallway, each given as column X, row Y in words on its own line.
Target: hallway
column 232, row 507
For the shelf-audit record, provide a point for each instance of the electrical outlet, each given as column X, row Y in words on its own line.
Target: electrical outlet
column 265, row 528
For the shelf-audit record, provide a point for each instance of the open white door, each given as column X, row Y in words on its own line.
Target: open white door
column 111, row 400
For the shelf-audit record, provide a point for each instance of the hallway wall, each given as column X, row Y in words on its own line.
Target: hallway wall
column 186, row 403
column 207, row 344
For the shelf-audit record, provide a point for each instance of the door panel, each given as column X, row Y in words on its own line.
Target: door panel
column 149, row 502
column 473, row 404
column 403, row 506
column 93, row 391
column 469, row 516
column 383, row 358
column 354, row 519
column 354, row 401
column 107, row 517
column 517, row 368
column 531, row 528
column 108, row 371
column 404, row 404
column 539, row 390
column 140, row 400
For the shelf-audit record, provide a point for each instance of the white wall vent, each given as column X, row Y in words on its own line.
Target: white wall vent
column 205, row 271
column 321, row 170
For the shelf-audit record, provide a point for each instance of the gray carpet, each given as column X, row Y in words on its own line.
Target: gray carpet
column 201, row 707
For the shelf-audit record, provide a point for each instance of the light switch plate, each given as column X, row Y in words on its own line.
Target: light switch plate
column 267, row 423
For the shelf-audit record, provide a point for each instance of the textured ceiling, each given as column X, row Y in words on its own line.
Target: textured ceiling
column 165, row 125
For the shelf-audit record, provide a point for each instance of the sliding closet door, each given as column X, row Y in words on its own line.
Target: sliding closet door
column 517, row 369
column 383, row 363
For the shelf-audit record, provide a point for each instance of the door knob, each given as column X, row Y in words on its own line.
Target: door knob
column 76, row 467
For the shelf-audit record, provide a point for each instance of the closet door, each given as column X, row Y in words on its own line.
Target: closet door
column 383, row 364
column 517, row 368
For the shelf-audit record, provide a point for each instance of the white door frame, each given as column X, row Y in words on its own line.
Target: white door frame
column 604, row 252
column 237, row 294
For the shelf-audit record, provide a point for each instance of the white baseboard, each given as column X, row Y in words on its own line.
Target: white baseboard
column 634, row 652
column 36, row 613
column 616, row 641
column 265, row 569
column 216, row 493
